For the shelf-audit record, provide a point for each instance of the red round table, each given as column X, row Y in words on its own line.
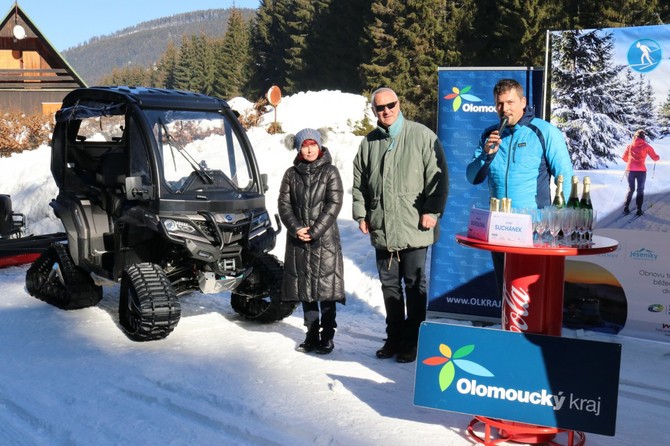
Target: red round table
column 532, row 303
column 536, row 272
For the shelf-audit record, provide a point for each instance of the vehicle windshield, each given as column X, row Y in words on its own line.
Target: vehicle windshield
column 199, row 151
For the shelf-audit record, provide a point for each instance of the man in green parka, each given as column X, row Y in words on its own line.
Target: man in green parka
column 399, row 194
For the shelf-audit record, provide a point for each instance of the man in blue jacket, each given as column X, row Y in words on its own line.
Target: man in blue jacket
column 520, row 160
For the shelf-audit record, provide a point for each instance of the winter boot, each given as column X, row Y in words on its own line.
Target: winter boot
column 311, row 340
column 406, row 352
column 626, row 211
column 326, row 345
column 639, row 211
column 389, row 349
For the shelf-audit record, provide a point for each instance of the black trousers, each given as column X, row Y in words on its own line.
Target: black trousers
column 639, row 177
column 409, row 267
column 311, row 315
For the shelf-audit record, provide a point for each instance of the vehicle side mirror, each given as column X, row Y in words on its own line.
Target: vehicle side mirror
column 135, row 190
column 264, row 182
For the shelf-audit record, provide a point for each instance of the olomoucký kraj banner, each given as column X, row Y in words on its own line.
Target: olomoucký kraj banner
column 546, row 380
column 605, row 85
column 462, row 283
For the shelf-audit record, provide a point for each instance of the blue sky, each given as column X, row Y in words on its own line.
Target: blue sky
column 67, row 23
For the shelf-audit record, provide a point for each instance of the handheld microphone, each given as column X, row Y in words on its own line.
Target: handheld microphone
column 503, row 124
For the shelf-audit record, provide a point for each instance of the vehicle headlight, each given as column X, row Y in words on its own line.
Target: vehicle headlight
column 260, row 221
column 178, row 226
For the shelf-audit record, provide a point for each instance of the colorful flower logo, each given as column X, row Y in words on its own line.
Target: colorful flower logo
column 460, row 95
column 451, row 361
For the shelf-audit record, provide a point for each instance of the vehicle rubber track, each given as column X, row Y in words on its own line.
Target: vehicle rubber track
column 149, row 308
column 259, row 297
column 55, row 279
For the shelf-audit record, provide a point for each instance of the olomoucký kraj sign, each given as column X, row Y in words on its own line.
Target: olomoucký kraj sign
column 530, row 378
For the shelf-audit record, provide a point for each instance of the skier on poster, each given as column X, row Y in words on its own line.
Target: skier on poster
column 646, row 54
column 636, row 170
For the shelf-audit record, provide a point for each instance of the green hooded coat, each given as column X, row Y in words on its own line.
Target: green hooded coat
column 400, row 174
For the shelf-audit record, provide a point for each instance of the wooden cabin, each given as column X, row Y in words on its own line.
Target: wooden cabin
column 34, row 76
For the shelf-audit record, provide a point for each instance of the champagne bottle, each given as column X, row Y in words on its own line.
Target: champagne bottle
column 559, row 198
column 494, row 205
column 573, row 201
column 585, row 202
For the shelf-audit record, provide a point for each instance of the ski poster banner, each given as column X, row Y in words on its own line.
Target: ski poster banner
column 462, row 283
column 606, row 84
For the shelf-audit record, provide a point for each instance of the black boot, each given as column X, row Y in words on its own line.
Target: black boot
column 626, row 210
column 326, row 345
column 311, row 341
column 389, row 349
column 406, row 352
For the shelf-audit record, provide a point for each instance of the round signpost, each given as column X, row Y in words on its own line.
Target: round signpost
column 274, row 98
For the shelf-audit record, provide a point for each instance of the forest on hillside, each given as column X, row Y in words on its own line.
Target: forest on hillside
column 142, row 45
column 358, row 45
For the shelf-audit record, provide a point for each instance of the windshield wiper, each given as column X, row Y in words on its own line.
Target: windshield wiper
column 197, row 168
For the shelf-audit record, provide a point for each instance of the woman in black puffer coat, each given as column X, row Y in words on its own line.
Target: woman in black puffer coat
column 310, row 199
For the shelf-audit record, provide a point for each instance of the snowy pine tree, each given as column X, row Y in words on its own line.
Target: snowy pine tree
column 629, row 109
column 664, row 117
column 646, row 108
column 584, row 106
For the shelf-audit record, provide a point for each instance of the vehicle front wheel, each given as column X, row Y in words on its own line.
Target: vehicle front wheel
column 149, row 309
column 259, row 296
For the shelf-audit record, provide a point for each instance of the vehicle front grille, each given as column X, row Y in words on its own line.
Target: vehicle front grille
column 231, row 232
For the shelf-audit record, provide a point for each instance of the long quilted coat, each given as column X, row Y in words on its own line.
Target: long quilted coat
column 311, row 195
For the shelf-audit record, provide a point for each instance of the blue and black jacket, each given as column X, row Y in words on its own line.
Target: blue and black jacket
column 530, row 153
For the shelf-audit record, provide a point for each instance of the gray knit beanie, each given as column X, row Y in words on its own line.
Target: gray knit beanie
column 305, row 134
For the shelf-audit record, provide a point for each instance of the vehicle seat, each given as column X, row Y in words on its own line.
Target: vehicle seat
column 112, row 176
column 5, row 214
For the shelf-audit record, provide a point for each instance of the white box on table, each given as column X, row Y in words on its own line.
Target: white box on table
column 503, row 228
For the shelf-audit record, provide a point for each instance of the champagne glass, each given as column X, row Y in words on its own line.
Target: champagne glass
column 591, row 224
column 546, row 213
column 567, row 225
column 554, row 224
column 581, row 223
column 539, row 226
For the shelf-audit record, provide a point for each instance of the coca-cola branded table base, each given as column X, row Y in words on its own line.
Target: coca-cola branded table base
column 532, row 303
column 521, row 433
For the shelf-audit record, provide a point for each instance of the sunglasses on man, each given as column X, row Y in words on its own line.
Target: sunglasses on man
column 390, row 106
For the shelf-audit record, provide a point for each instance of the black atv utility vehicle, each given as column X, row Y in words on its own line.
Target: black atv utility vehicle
column 158, row 190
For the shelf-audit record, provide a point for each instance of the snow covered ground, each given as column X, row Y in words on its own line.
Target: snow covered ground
column 73, row 378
